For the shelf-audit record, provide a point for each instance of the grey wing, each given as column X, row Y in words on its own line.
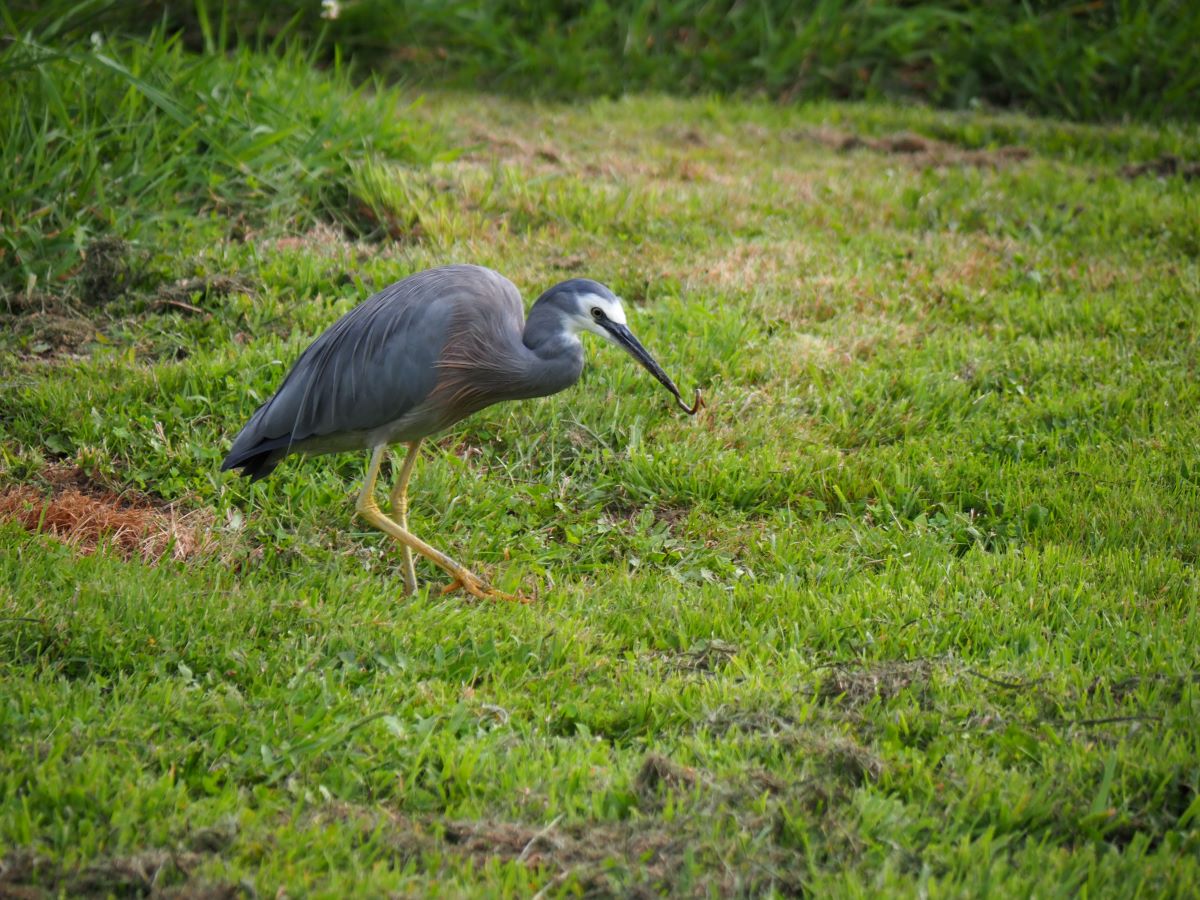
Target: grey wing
column 371, row 367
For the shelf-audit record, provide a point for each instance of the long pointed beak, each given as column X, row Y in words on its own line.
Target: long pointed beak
column 623, row 336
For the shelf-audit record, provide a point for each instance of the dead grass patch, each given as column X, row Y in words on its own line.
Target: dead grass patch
column 326, row 241
column 640, row 856
column 685, row 169
column 60, row 329
column 855, row 341
column 86, row 516
column 837, row 757
column 511, row 147
column 159, row 873
column 918, row 151
column 790, row 288
column 1164, row 167
column 107, row 270
column 618, row 161
column 853, row 685
column 586, row 854
column 180, row 294
column 843, row 757
column 659, row 776
column 687, row 135
column 948, row 261
column 645, row 856
column 864, row 337
column 773, row 264
column 706, row 658
column 630, row 516
column 804, row 349
column 46, row 324
column 582, row 854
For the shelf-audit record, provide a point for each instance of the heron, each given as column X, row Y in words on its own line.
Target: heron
column 417, row 357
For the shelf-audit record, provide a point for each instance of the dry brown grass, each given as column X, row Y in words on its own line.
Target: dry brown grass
column 158, row 873
column 582, row 855
column 922, row 152
column 1164, row 167
column 87, row 516
column 46, row 324
column 779, row 264
column 512, row 147
column 851, row 685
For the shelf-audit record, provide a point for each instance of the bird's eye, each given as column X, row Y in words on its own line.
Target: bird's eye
column 597, row 313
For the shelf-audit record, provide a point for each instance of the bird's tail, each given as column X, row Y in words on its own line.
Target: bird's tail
column 255, row 463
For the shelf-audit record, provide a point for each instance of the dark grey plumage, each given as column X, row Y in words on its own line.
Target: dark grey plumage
column 413, row 359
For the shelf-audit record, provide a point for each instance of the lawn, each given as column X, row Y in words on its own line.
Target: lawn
column 910, row 607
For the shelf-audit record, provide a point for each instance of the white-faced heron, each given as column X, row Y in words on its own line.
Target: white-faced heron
column 414, row 359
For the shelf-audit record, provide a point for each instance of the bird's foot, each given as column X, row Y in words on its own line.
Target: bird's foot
column 481, row 590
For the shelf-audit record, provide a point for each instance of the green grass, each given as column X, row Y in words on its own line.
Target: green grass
column 147, row 143
column 911, row 608
column 1098, row 61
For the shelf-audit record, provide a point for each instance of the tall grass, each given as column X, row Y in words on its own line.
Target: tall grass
column 1087, row 61
column 141, row 138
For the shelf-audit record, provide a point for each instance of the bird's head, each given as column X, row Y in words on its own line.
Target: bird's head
column 587, row 305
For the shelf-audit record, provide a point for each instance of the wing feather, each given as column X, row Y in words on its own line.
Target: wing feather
column 375, row 364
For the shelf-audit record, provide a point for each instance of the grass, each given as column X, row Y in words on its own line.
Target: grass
column 143, row 141
column 1096, row 61
column 911, row 608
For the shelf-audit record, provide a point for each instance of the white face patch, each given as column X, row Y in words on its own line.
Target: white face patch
column 584, row 318
column 611, row 308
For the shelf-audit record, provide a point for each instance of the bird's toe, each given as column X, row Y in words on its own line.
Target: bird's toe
column 479, row 589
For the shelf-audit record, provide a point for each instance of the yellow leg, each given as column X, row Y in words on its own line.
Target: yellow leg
column 462, row 577
column 399, row 502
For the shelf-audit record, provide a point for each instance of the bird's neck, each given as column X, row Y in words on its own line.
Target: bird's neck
column 556, row 359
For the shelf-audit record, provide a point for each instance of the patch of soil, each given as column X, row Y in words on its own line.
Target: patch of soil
column 920, row 151
column 1164, row 167
column 85, row 515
